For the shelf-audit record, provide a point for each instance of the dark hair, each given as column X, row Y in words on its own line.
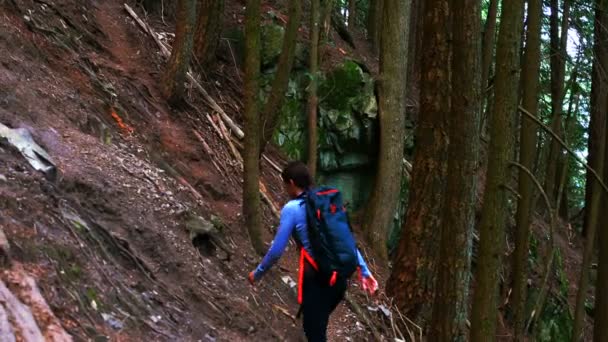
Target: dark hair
column 297, row 172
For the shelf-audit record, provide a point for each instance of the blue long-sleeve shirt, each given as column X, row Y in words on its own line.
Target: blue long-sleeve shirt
column 293, row 223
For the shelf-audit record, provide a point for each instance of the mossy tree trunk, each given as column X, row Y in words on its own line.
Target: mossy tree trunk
column 527, row 153
column 494, row 212
column 251, row 173
column 451, row 302
column 270, row 117
column 412, row 279
column 600, row 317
column 174, row 78
column 313, row 100
column 208, row 30
column 599, row 104
column 391, row 91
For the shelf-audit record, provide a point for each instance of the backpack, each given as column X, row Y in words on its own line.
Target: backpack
column 330, row 233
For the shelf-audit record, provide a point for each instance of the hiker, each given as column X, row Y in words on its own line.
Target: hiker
column 322, row 280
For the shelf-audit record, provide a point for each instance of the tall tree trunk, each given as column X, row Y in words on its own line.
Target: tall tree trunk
column 208, row 29
column 558, row 65
column 412, row 280
column 352, row 13
column 487, row 45
column 601, row 94
column 493, row 217
column 251, row 171
column 451, row 302
column 489, row 33
column 600, row 317
column 391, row 91
column 527, row 153
column 374, row 23
column 599, row 106
column 281, row 80
column 414, row 58
column 313, row 100
column 174, row 78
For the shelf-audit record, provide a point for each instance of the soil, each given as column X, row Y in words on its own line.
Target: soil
column 106, row 239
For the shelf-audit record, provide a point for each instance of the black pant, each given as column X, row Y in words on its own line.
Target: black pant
column 318, row 302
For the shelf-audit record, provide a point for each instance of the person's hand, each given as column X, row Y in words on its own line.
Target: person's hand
column 369, row 284
column 251, row 277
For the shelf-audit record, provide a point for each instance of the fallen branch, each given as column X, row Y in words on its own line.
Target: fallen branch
column 359, row 312
column 207, row 149
column 285, row 312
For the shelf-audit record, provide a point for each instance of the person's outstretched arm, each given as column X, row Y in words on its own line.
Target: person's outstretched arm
column 286, row 226
column 368, row 282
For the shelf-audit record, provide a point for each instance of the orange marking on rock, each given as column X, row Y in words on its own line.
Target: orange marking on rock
column 126, row 128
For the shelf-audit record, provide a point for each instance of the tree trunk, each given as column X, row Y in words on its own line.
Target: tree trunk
column 489, row 33
column 352, row 13
column 391, row 91
column 270, row 119
column 251, row 162
column 208, row 29
column 412, row 280
column 451, row 302
column 600, row 317
column 313, row 100
column 414, row 58
column 374, row 23
column 493, row 217
column 174, row 78
column 599, row 105
column 527, row 153
column 600, row 93
column 558, row 64
column 487, row 45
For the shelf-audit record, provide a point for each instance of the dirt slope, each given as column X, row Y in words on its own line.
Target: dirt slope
column 107, row 239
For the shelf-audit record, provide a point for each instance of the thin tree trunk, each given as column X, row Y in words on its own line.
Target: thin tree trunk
column 374, row 23
column 451, row 302
column 276, row 97
column 493, row 217
column 412, row 280
column 352, row 13
column 414, row 58
column 251, row 162
column 599, row 105
column 558, row 64
column 313, row 101
column 174, row 78
column 489, row 33
column 391, row 91
column 600, row 317
column 528, row 140
column 208, row 29
column 601, row 94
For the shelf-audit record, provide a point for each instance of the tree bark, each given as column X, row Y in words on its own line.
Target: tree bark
column 391, row 90
column 493, row 217
column 174, row 78
column 414, row 58
column 412, row 280
column 270, row 119
column 208, row 29
column 352, row 13
column 489, row 33
column 600, row 317
column 599, row 106
column 374, row 23
column 558, row 65
column 251, row 162
column 600, row 93
column 527, row 153
column 451, row 302
column 313, row 100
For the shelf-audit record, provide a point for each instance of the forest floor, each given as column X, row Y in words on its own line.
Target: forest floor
column 106, row 240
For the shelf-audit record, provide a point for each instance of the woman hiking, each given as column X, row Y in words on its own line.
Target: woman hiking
column 319, row 291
